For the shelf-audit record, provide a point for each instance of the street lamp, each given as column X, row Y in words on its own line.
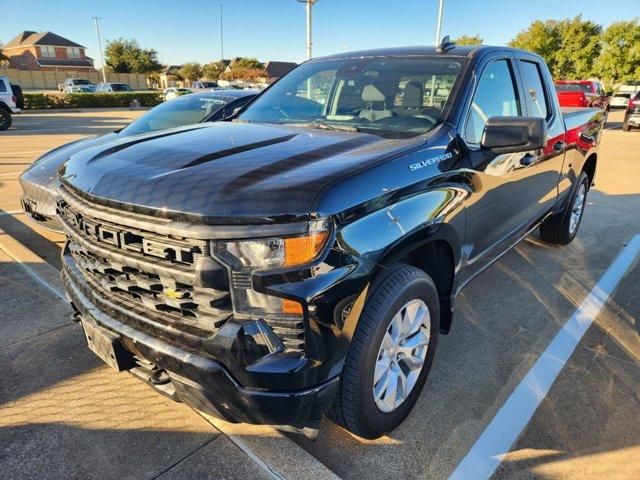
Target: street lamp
column 104, row 75
column 309, row 4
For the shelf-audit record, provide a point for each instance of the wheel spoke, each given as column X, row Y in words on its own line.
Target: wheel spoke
column 381, row 387
column 395, row 329
column 382, row 366
column 391, row 394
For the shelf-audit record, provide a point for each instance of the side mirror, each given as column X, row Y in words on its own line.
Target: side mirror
column 514, row 134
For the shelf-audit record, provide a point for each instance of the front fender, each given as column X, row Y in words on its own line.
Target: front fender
column 387, row 234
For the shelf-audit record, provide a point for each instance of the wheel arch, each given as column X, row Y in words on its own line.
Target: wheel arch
column 589, row 167
column 436, row 255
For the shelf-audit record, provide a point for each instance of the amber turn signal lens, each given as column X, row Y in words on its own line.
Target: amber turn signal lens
column 290, row 307
column 301, row 250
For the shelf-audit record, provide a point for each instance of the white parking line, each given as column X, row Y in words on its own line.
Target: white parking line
column 9, row 173
column 496, row 440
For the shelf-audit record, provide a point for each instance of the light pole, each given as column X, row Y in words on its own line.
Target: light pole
column 104, row 75
column 438, row 33
column 308, row 5
column 221, row 38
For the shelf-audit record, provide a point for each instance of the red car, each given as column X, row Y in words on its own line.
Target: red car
column 582, row 93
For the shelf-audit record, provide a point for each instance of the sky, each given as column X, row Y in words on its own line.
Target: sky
column 182, row 31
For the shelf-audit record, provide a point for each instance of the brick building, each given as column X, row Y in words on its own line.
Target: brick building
column 46, row 51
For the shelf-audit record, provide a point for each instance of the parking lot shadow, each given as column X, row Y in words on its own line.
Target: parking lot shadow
column 85, row 123
column 47, row 245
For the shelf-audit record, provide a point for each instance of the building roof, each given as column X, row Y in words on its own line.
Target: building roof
column 279, row 69
column 28, row 38
column 59, row 62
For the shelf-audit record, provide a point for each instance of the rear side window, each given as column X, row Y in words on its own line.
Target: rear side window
column 536, row 96
column 3, row 87
column 495, row 96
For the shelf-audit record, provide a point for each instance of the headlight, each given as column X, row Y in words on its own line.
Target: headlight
column 248, row 256
column 279, row 252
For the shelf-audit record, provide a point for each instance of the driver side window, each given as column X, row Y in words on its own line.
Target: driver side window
column 495, row 95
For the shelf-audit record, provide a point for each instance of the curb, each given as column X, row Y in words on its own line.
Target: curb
column 273, row 451
column 82, row 110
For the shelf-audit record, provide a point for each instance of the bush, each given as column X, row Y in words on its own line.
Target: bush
column 45, row 101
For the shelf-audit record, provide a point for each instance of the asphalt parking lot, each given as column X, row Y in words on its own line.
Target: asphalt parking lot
column 63, row 414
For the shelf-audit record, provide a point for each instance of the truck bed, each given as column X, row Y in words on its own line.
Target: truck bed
column 576, row 117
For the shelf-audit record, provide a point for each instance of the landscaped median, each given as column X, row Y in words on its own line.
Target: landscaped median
column 49, row 101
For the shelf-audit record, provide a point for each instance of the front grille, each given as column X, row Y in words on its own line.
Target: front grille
column 207, row 308
column 159, row 274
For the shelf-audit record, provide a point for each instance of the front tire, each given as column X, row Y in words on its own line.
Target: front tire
column 5, row 119
column 390, row 355
column 562, row 227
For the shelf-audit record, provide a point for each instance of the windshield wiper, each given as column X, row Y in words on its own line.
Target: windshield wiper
column 326, row 126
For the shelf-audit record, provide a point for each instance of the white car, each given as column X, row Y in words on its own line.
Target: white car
column 78, row 89
column 82, row 83
column 107, row 87
column 620, row 99
column 8, row 103
column 204, row 85
column 175, row 92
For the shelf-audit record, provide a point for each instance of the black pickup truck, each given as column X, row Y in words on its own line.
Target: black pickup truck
column 302, row 258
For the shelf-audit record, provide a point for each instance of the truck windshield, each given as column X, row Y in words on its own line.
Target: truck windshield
column 181, row 111
column 388, row 96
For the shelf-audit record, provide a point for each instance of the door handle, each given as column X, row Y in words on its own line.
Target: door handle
column 527, row 159
column 559, row 146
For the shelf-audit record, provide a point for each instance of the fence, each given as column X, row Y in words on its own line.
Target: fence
column 49, row 80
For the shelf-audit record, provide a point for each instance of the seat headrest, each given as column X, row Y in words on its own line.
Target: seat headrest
column 413, row 95
column 371, row 94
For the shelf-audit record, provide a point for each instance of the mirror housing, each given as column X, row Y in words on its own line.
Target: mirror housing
column 514, row 134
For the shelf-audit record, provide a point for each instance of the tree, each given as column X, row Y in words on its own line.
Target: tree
column 245, row 74
column 191, row 71
column 3, row 57
column 570, row 46
column 246, row 63
column 468, row 40
column 620, row 57
column 542, row 38
column 580, row 48
column 213, row 70
column 126, row 56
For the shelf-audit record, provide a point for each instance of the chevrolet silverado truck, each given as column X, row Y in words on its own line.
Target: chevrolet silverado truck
column 302, row 258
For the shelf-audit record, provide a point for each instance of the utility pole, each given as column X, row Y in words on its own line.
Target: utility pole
column 439, row 23
column 104, row 75
column 438, row 33
column 308, row 5
column 221, row 38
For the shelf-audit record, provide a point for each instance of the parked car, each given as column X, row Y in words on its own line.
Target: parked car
column 203, row 85
column 175, row 92
column 582, row 93
column 79, row 89
column 304, row 257
column 11, row 101
column 632, row 115
column 620, row 100
column 81, row 83
column 39, row 180
column 113, row 87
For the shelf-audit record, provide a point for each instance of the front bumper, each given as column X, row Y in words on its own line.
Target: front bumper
column 39, row 201
column 633, row 119
column 198, row 379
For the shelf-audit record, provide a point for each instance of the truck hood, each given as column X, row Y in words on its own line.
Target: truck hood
column 226, row 173
column 47, row 165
